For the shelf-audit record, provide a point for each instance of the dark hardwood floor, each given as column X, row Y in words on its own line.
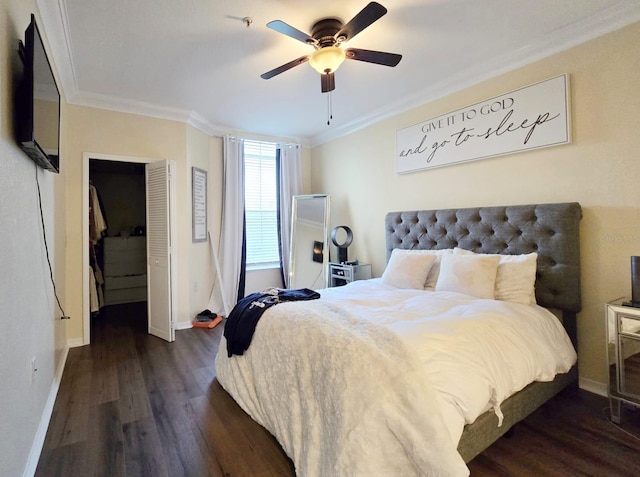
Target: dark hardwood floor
column 131, row 404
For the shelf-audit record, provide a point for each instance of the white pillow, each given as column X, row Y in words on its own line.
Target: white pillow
column 432, row 278
column 408, row 268
column 473, row 275
column 516, row 278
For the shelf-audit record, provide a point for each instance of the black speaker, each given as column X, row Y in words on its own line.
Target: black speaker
column 635, row 280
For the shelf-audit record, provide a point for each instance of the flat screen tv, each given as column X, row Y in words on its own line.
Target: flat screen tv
column 38, row 103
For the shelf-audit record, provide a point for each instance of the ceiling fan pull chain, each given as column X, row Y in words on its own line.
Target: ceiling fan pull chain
column 329, row 107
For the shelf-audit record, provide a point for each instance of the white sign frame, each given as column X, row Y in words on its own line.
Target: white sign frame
column 532, row 117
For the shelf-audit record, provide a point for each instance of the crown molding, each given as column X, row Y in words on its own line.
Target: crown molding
column 142, row 108
column 55, row 27
column 199, row 122
column 54, row 15
column 603, row 22
column 113, row 103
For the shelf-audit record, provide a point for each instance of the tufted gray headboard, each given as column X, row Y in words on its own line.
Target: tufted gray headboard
column 551, row 230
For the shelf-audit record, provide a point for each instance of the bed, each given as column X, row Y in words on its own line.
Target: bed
column 340, row 385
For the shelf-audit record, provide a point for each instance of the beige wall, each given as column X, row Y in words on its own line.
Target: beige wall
column 113, row 133
column 205, row 153
column 29, row 318
column 600, row 169
column 106, row 132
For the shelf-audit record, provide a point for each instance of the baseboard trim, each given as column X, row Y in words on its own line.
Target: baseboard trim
column 41, row 433
column 75, row 342
column 183, row 325
column 594, row 387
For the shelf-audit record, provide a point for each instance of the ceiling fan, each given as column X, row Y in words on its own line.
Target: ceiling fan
column 326, row 37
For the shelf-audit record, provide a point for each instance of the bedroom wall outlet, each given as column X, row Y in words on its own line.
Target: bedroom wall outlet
column 34, row 369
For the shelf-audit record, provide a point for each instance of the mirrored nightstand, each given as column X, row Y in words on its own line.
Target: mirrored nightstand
column 343, row 273
column 623, row 345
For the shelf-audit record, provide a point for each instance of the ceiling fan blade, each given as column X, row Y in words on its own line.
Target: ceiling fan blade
column 328, row 82
column 369, row 14
column 285, row 67
column 370, row 56
column 285, row 29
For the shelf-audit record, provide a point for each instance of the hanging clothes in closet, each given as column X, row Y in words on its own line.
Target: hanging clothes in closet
column 97, row 229
column 97, row 221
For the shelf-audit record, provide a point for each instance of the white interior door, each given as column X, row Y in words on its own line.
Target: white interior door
column 160, row 248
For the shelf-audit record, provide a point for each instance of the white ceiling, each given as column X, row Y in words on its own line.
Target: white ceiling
column 196, row 61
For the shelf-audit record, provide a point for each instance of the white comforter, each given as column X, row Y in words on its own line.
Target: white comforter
column 372, row 380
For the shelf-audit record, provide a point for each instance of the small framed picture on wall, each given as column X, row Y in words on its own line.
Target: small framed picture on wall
column 199, row 204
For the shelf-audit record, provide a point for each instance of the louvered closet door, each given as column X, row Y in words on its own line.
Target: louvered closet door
column 161, row 303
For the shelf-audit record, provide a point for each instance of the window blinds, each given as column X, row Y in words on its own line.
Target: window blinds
column 261, row 204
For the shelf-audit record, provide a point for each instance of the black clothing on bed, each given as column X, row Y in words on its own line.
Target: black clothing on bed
column 242, row 321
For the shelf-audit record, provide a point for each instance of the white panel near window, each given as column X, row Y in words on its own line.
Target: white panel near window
column 261, row 204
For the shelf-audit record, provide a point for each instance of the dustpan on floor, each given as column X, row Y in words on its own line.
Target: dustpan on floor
column 206, row 319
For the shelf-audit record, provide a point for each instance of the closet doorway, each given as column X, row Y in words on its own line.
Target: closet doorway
column 129, row 261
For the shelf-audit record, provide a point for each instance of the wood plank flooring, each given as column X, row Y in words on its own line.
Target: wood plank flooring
column 131, row 404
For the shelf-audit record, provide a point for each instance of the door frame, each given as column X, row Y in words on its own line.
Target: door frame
column 86, row 156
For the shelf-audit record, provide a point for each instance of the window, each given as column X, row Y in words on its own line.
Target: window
column 261, row 204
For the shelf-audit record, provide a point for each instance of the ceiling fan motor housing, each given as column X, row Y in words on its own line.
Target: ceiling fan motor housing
column 323, row 31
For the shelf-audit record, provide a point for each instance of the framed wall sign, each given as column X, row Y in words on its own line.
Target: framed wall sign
column 531, row 117
column 199, row 204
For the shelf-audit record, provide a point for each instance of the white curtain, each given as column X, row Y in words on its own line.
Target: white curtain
column 290, row 185
column 232, row 230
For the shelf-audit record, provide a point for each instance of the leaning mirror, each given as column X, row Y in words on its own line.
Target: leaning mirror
column 309, row 252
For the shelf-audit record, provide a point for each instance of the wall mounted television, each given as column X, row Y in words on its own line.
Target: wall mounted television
column 38, row 103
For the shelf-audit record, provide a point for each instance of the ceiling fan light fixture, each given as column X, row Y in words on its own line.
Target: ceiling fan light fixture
column 327, row 59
